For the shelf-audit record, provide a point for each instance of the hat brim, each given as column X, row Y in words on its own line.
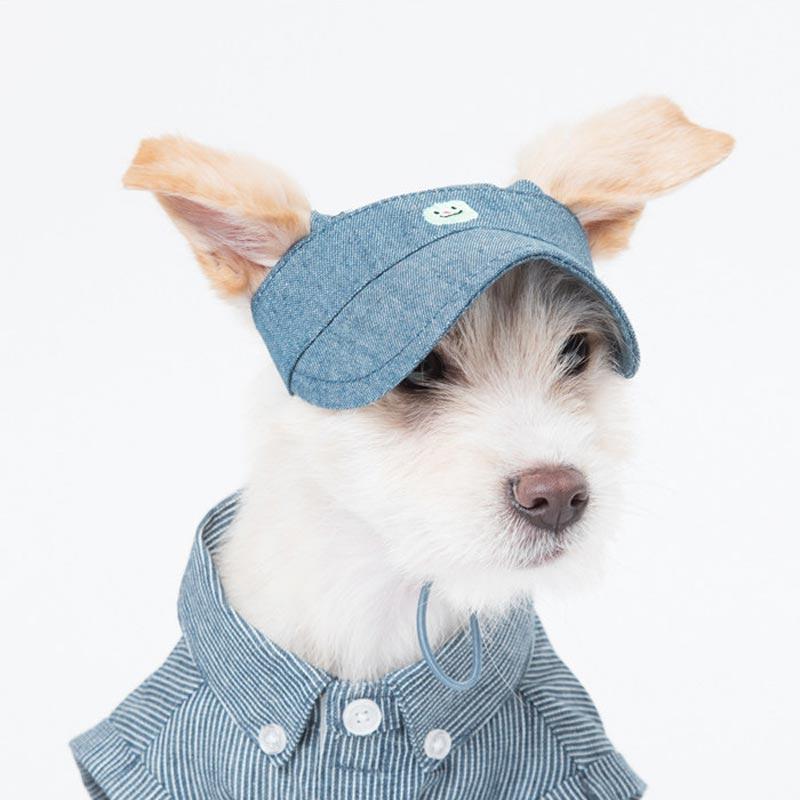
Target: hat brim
column 395, row 320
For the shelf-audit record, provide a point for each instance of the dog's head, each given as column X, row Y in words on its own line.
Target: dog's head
column 499, row 452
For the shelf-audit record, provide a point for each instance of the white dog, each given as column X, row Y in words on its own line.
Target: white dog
column 494, row 462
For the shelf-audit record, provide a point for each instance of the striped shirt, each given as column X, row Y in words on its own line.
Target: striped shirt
column 232, row 716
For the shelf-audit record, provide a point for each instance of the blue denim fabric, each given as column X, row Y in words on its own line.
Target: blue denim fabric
column 353, row 307
column 527, row 731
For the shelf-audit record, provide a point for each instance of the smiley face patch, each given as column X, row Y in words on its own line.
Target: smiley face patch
column 449, row 212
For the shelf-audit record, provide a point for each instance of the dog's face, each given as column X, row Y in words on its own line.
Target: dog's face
column 499, row 454
column 500, row 451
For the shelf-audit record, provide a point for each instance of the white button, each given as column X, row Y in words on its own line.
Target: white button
column 272, row 739
column 361, row 717
column 437, row 744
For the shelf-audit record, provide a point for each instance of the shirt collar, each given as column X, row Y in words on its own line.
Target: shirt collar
column 259, row 682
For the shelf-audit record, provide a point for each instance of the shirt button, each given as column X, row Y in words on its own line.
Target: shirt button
column 361, row 717
column 437, row 744
column 272, row 739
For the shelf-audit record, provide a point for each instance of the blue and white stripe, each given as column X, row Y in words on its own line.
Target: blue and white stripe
column 527, row 730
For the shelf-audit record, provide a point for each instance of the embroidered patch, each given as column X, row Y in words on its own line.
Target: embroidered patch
column 449, row 213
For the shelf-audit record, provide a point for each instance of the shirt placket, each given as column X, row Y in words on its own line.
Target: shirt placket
column 363, row 749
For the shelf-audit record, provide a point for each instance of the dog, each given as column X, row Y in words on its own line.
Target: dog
column 491, row 466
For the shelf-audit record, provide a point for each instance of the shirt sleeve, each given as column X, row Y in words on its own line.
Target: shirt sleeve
column 111, row 769
column 597, row 769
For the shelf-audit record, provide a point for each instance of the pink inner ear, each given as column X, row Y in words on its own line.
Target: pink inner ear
column 212, row 229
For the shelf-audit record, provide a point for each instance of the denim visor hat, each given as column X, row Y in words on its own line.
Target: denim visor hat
column 351, row 309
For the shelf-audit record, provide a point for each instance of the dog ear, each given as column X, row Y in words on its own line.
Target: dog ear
column 606, row 168
column 239, row 214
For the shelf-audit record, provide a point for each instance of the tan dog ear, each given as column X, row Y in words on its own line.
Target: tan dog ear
column 606, row 168
column 239, row 214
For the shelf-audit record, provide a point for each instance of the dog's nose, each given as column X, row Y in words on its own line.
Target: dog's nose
column 551, row 497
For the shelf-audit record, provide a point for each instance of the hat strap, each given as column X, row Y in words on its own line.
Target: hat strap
column 427, row 652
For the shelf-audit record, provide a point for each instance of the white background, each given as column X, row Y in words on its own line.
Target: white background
column 125, row 379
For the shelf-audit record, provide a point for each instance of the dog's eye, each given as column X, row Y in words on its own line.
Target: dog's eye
column 575, row 354
column 429, row 370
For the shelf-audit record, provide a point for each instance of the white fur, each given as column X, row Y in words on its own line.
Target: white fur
column 347, row 513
